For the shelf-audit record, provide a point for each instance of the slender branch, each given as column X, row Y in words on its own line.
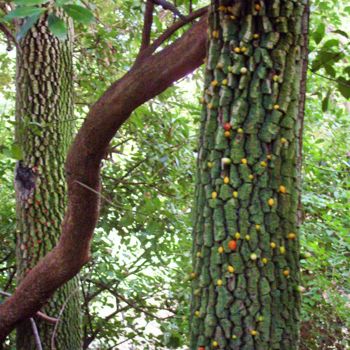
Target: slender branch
column 10, row 37
column 147, row 25
column 170, row 31
column 36, row 334
column 169, row 6
column 76, row 290
column 176, row 26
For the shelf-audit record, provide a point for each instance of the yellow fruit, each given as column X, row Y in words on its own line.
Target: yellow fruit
column 260, row 318
column 275, row 78
column 227, row 133
column 210, row 106
column 224, row 82
column 263, row 163
column 244, row 70
column 237, row 50
column 243, row 49
column 253, row 256
column 226, row 180
column 251, row 177
column 230, row 269
column 233, row 17
column 283, row 140
column 237, row 235
column 240, row 130
column 220, row 65
column 210, row 164
column 235, row 194
column 222, row 8
column 199, row 254
column 253, row 332
column 257, row 7
column 197, row 313
column 219, row 283
column 292, row 236
column 247, row 237
column 271, row 202
column 286, row 273
column 256, row 36
column 264, row 260
column 282, row 250
column 273, row 245
column 214, row 83
column 215, row 34
column 282, row 189
column 269, row 156
column 244, row 161
column 221, row 250
column 214, row 195
column 226, row 161
column 215, row 344
column 276, row 107
column 193, row 275
column 257, row 227
column 234, row 337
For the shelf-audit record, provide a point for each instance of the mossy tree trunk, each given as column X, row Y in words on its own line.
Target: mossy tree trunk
column 246, row 246
column 44, row 130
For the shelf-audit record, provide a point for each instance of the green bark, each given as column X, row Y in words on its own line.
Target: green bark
column 44, row 130
column 246, row 245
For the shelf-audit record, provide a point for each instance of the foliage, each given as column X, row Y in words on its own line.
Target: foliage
column 136, row 286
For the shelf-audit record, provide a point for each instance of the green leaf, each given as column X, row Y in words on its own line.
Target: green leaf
column 319, row 33
column 16, row 151
column 22, row 12
column 341, row 32
column 325, row 102
column 29, row 22
column 57, row 27
column 344, row 87
column 30, row 2
column 79, row 13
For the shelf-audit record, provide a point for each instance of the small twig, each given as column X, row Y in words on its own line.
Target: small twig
column 331, row 79
column 36, row 334
column 10, row 37
column 53, row 347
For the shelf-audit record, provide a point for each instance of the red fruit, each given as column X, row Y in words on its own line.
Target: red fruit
column 201, row 348
column 232, row 245
column 227, row 126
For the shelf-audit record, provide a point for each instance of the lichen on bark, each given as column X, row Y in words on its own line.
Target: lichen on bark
column 247, row 186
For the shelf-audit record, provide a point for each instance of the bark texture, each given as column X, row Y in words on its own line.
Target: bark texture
column 246, row 245
column 44, row 131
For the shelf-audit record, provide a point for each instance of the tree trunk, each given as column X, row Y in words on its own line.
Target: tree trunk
column 44, row 130
column 246, row 292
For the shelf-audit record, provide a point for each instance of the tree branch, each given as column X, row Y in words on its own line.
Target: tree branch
column 169, row 32
column 147, row 26
column 144, row 81
column 169, row 6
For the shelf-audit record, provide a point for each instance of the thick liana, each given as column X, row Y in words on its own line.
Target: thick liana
column 245, row 279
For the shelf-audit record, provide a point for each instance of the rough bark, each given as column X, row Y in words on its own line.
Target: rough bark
column 246, row 246
column 146, row 80
column 44, row 131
